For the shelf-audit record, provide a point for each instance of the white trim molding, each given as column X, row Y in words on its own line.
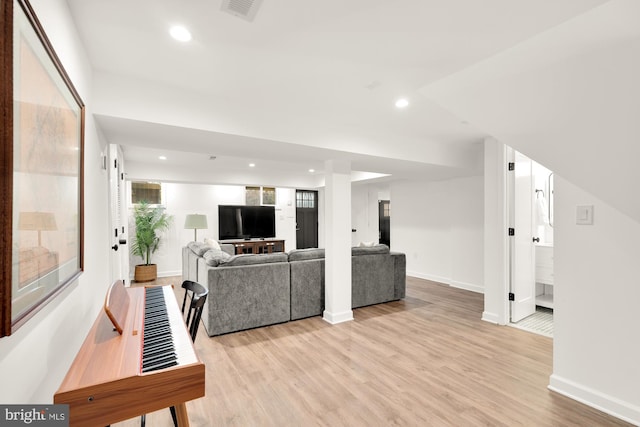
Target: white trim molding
column 335, row 318
column 596, row 399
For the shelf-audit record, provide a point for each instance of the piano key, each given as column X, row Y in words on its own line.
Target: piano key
column 162, row 319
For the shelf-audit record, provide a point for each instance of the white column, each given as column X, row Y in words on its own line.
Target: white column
column 337, row 242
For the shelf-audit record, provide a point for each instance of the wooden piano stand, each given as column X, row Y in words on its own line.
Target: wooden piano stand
column 105, row 383
column 181, row 415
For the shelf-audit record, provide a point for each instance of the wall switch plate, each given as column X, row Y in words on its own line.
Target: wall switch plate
column 584, row 215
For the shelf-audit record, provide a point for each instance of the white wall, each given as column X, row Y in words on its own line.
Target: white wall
column 183, row 199
column 439, row 226
column 34, row 360
column 596, row 293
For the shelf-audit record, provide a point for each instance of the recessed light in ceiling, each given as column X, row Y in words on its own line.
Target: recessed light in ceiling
column 180, row 33
column 402, row 103
column 162, row 157
column 252, row 165
column 312, row 170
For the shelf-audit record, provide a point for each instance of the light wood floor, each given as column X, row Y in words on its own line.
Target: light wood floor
column 427, row 360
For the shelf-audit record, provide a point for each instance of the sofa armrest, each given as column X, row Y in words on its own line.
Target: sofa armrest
column 371, row 280
column 399, row 274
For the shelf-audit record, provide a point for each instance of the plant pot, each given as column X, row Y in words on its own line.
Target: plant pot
column 145, row 273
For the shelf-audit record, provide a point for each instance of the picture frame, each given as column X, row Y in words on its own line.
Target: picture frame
column 42, row 169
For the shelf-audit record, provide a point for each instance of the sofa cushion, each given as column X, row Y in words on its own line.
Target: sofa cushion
column 212, row 242
column 214, row 257
column 373, row 250
column 198, row 248
column 305, row 254
column 250, row 259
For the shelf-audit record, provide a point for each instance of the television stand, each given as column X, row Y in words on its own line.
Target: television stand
column 256, row 246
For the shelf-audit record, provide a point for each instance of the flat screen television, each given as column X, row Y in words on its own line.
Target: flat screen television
column 246, row 222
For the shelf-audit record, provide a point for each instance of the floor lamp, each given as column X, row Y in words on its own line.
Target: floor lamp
column 195, row 221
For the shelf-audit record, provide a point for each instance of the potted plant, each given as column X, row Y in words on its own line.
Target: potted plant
column 149, row 222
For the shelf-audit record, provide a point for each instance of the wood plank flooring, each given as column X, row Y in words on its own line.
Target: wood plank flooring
column 427, row 360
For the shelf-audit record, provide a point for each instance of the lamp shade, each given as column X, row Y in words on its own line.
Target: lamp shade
column 195, row 221
column 40, row 221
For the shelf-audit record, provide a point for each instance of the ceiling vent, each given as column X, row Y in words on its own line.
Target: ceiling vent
column 245, row 9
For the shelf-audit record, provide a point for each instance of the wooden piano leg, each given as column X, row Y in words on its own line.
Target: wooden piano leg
column 181, row 413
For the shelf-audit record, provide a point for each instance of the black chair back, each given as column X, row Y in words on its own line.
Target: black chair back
column 197, row 295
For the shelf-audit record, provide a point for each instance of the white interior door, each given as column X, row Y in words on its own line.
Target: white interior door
column 120, row 244
column 523, row 284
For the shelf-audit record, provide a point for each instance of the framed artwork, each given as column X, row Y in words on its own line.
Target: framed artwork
column 42, row 168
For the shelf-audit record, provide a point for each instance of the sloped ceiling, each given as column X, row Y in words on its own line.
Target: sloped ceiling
column 569, row 98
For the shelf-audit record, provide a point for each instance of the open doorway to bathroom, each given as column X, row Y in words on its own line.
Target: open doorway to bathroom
column 531, row 245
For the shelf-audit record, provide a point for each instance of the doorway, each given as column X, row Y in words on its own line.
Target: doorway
column 384, row 222
column 306, row 219
column 119, row 258
column 531, row 245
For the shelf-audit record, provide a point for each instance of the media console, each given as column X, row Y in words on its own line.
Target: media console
column 256, row 246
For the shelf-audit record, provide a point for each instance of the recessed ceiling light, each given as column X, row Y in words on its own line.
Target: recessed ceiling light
column 312, row 170
column 162, row 157
column 252, row 165
column 180, row 33
column 402, row 103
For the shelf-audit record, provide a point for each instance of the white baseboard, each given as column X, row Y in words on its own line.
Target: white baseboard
column 468, row 286
column 490, row 317
column 596, row 399
column 430, row 277
column 453, row 283
column 170, row 273
column 335, row 318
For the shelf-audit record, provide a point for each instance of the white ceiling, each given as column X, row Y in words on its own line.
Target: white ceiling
column 305, row 82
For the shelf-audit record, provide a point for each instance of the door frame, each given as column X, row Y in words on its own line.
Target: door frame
column 118, row 221
column 316, row 211
column 381, row 217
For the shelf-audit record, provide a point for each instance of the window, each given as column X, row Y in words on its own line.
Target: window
column 268, row 196
column 386, row 209
column 151, row 192
column 305, row 199
column 252, row 196
column 256, row 196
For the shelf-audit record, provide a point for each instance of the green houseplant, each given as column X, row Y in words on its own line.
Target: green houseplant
column 149, row 222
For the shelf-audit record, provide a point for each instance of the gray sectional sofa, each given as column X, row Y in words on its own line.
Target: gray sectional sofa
column 248, row 291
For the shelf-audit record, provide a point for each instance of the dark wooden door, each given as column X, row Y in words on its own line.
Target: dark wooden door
column 306, row 219
column 384, row 221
